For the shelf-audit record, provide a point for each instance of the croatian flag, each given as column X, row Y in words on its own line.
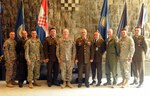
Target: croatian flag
column 42, row 23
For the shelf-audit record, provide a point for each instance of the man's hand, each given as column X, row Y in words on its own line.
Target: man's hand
column 8, row 62
column 29, row 62
column 91, row 60
column 76, row 61
column 46, row 60
column 129, row 60
column 59, row 60
column 72, row 61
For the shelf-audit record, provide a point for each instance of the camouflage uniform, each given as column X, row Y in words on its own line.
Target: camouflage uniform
column 138, row 58
column 66, row 53
column 126, row 51
column 10, row 57
column 33, row 53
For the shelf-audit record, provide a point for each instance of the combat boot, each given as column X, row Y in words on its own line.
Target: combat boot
column 121, row 83
column 134, row 82
column 125, row 84
column 69, row 84
column 35, row 83
column 14, row 83
column 63, row 85
column 107, row 83
column 9, row 84
column 30, row 85
column 108, row 80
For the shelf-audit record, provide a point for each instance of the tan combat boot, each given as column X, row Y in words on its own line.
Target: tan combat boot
column 9, row 84
column 14, row 83
column 63, row 85
column 121, row 83
column 30, row 85
column 125, row 84
column 35, row 83
column 69, row 84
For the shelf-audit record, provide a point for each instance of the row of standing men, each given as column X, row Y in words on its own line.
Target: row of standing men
column 27, row 54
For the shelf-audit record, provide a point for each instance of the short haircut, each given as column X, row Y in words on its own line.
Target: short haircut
column 33, row 30
column 138, row 27
column 123, row 29
column 11, row 32
column 52, row 28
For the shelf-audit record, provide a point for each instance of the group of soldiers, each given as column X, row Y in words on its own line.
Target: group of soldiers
column 60, row 54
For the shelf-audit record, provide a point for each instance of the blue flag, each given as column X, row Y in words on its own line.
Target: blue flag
column 42, row 23
column 123, row 21
column 142, row 18
column 104, row 20
column 1, row 37
column 20, row 23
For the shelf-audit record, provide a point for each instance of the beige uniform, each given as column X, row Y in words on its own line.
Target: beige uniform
column 10, row 58
column 126, row 52
column 33, row 53
column 66, row 53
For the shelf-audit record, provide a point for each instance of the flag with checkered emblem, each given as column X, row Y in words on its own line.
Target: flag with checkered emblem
column 42, row 23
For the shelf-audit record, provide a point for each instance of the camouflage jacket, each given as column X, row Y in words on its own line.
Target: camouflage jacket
column 33, row 50
column 66, row 50
column 9, row 50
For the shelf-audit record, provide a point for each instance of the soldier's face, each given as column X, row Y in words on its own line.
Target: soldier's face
column 137, row 31
column 12, row 35
column 65, row 33
column 33, row 34
column 83, row 33
column 123, row 33
column 110, row 33
column 53, row 33
column 24, row 34
column 96, row 35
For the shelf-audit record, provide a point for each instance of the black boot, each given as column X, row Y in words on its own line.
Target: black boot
column 87, row 85
column 139, row 86
column 134, row 82
column 107, row 83
column 98, row 84
column 108, row 80
column 20, row 83
column 93, row 82
column 115, row 79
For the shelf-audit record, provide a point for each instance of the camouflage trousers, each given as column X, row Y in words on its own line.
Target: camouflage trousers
column 125, row 69
column 11, row 69
column 66, row 70
column 33, row 71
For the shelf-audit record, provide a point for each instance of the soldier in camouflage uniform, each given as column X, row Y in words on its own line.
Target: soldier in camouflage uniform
column 10, row 58
column 126, row 53
column 138, row 57
column 22, row 64
column 66, row 56
column 33, row 55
